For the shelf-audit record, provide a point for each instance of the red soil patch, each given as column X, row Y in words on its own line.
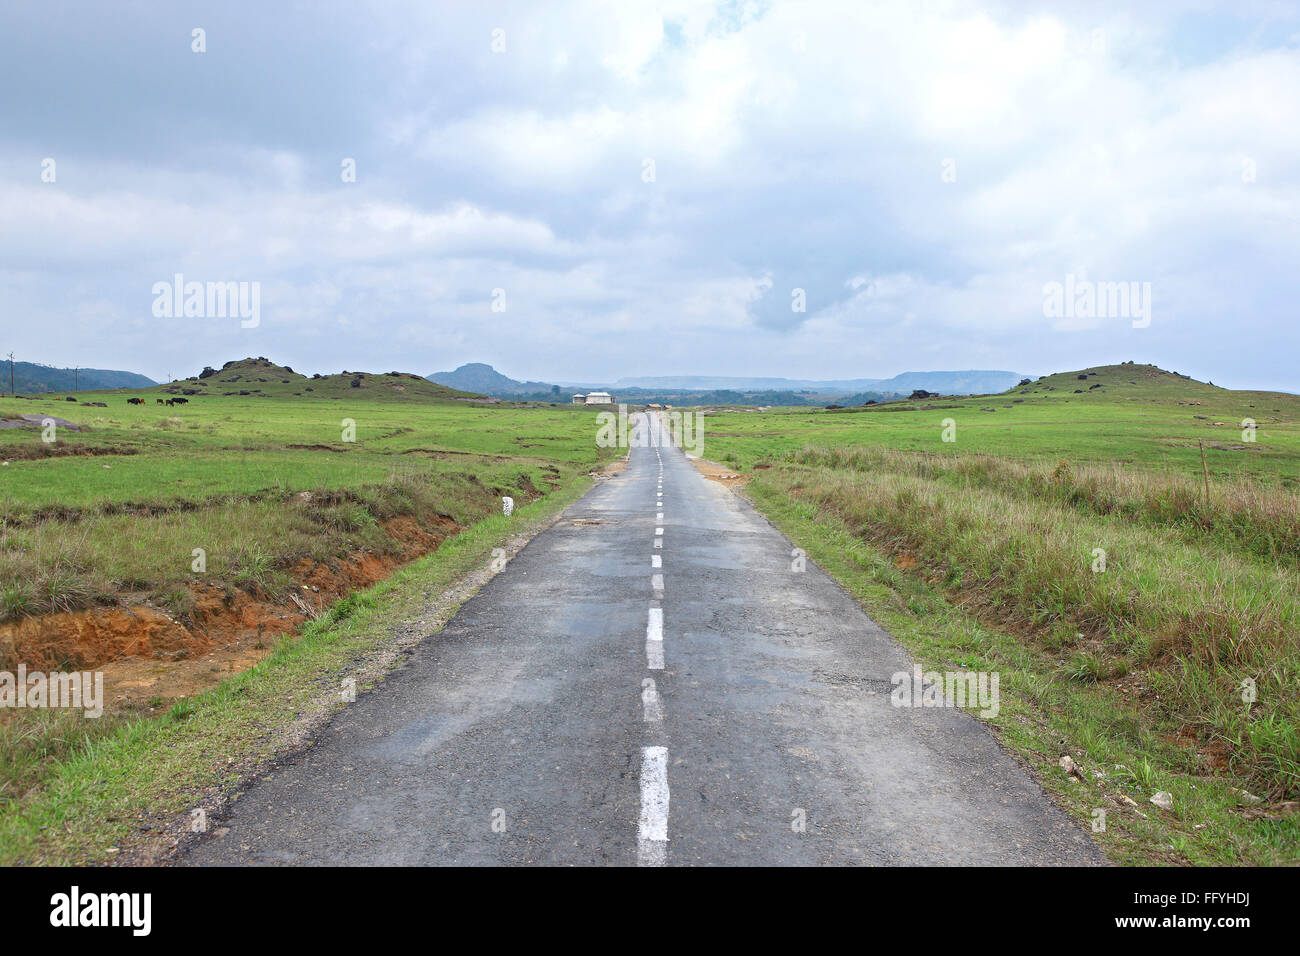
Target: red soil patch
column 719, row 473
column 145, row 653
column 85, row 638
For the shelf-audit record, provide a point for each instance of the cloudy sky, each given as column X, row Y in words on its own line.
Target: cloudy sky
column 644, row 185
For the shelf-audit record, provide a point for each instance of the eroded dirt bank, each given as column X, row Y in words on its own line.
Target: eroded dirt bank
column 148, row 655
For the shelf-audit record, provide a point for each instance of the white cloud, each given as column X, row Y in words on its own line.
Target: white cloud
column 794, row 143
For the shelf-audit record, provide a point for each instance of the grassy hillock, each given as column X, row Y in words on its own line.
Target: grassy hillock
column 262, row 378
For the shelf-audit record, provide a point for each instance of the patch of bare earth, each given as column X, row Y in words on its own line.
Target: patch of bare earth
column 610, row 469
column 147, row 654
column 719, row 473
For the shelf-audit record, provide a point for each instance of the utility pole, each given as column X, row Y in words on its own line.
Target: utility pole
column 11, row 373
column 76, row 379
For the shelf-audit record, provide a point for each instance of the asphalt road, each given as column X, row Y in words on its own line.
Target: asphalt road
column 650, row 682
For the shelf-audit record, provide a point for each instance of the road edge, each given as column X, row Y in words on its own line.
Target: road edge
column 798, row 531
column 153, row 789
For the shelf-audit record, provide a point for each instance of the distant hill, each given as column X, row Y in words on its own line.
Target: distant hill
column 1098, row 394
column 262, row 378
column 1148, row 382
column 478, row 377
column 1132, row 383
column 31, row 378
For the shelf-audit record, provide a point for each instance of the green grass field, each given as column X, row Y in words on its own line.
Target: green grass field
column 1172, row 664
column 1141, row 418
column 980, row 552
column 118, row 508
column 111, row 515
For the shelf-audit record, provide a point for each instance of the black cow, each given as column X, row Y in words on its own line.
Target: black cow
column 135, row 401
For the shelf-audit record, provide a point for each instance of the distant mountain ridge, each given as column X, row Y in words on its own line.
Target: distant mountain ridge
column 31, row 377
column 968, row 381
column 480, row 377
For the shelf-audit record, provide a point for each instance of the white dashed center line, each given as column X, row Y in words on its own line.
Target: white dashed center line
column 654, row 639
column 652, row 832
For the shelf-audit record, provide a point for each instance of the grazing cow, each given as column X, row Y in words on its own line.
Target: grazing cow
column 135, row 401
column 160, row 401
column 179, row 401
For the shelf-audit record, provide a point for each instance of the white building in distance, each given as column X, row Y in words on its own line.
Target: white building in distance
column 594, row 398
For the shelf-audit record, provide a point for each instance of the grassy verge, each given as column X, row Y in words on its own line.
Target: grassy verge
column 121, row 791
column 1242, row 514
column 1134, row 672
column 53, row 565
